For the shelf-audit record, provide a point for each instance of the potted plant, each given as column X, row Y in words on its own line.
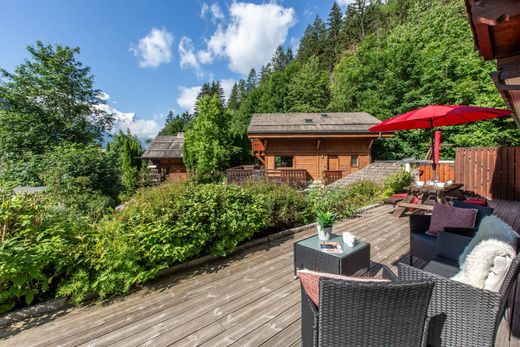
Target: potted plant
column 325, row 221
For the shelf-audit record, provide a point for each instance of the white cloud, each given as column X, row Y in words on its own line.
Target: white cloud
column 204, row 10
column 216, row 12
column 154, row 49
column 142, row 128
column 188, row 97
column 252, row 36
column 204, row 57
column 343, row 3
column 104, row 96
column 187, row 55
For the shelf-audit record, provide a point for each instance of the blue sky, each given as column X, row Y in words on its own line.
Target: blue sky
column 151, row 56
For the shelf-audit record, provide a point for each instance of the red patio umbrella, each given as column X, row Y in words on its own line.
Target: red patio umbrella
column 433, row 116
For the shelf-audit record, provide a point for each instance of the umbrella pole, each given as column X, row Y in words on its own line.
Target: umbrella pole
column 434, row 165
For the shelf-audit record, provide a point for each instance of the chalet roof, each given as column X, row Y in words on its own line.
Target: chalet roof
column 165, row 147
column 311, row 123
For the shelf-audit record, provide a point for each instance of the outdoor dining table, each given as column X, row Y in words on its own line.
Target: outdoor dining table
column 424, row 193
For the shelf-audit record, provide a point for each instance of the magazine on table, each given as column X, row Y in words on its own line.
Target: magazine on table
column 331, row 247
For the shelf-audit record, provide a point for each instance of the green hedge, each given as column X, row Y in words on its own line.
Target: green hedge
column 51, row 251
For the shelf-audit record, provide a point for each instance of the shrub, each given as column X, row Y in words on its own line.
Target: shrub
column 287, row 208
column 40, row 247
column 396, row 182
column 343, row 201
column 82, row 178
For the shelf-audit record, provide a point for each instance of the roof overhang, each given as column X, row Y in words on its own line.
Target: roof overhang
column 370, row 135
column 496, row 32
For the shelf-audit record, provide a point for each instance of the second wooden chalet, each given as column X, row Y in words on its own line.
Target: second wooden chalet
column 323, row 144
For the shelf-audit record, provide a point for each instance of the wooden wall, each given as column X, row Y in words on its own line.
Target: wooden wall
column 490, row 172
column 175, row 169
column 314, row 157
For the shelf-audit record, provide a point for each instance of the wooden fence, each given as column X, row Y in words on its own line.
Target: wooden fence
column 445, row 172
column 490, row 172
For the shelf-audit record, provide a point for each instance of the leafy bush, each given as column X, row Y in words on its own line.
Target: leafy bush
column 287, row 208
column 396, row 183
column 82, row 178
column 40, row 247
column 343, row 201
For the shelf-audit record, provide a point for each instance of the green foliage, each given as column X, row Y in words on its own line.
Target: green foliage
column 82, row 178
column 124, row 151
column 176, row 124
column 40, row 247
column 308, row 90
column 428, row 59
column 326, row 219
column 287, row 208
column 343, row 201
column 207, row 143
column 49, row 99
column 396, row 183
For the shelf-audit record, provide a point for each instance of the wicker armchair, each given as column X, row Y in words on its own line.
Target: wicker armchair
column 367, row 314
column 461, row 315
column 424, row 246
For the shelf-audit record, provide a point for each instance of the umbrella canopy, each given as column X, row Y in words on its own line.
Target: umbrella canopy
column 433, row 116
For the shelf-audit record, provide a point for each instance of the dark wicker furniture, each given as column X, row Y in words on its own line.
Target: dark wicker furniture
column 461, row 315
column 307, row 255
column 366, row 314
column 423, row 245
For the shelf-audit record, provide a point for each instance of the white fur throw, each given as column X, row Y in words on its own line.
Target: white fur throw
column 480, row 262
column 491, row 227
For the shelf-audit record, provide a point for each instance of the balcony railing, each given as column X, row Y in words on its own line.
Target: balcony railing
column 330, row 176
column 245, row 173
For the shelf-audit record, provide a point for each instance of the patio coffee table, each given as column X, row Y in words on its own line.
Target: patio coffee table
column 308, row 255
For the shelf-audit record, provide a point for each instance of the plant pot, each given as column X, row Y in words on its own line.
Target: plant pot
column 324, row 234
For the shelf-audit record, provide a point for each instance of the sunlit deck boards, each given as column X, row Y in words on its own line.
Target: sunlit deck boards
column 250, row 299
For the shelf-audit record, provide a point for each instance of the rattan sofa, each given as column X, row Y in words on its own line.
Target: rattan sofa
column 424, row 246
column 461, row 315
column 367, row 314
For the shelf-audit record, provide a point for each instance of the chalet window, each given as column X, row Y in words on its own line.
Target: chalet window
column 354, row 161
column 283, row 161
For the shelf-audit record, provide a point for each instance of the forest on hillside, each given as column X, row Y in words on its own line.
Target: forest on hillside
column 380, row 57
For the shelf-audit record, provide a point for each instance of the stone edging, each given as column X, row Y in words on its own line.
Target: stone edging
column 60, row 303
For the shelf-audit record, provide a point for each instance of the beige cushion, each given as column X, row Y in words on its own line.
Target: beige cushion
column 498, row 273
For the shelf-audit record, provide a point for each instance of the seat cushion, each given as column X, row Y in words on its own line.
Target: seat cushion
column 423, row 246
column 447, row 216
column 310, row 281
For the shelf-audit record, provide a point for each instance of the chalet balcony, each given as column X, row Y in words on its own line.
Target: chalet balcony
column 244, row 173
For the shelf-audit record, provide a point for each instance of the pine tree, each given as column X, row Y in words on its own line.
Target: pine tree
column 289, row 55
column 279, row 60
column 176, row 123
column 265, row 72
column 308, row 88
column 233, row 102
column 333, row 44
column 252, row 80
column 313, row 42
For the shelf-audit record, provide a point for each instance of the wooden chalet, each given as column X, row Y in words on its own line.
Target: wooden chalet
column 164, row 157
column 496, row 33
column 319, row 146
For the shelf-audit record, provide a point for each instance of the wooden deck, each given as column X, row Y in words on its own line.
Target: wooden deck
column 249, row 299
